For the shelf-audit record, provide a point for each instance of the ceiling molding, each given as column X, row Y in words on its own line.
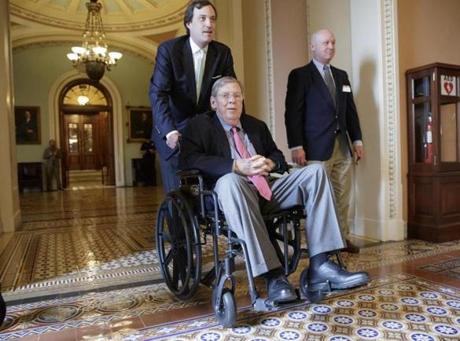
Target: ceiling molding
column 143, row 18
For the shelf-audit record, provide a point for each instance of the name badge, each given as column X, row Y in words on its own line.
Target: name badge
column 346, row 88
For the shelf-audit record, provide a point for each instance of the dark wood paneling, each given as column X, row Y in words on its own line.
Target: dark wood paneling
column 423, row 195
column 450, row 198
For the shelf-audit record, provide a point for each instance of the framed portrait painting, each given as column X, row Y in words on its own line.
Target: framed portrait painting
column 27, row 121
column 140, row 124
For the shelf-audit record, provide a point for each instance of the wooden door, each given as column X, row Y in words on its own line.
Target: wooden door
column 82, row 141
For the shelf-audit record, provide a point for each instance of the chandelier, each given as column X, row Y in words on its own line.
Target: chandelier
column 93, row 55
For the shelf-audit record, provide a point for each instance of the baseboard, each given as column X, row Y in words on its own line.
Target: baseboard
column 383, row 230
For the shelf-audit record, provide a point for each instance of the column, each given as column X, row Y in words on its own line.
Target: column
column 9, row 200
column 375, row 69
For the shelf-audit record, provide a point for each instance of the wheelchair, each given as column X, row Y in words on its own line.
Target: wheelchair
column 185, row 220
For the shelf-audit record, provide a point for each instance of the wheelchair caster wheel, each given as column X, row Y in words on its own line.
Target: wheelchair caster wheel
column 225, row 311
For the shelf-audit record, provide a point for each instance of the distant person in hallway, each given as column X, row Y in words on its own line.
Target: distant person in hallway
column 148, row 164
column 322, row 123
column 185, row 70
column 52, row 157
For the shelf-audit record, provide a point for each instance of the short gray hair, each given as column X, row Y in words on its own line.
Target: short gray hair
column 221, row 82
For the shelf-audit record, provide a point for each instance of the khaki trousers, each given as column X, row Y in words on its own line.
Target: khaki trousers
column 338, row 169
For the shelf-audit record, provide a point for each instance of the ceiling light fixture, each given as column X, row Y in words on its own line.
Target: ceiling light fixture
column 93, row 55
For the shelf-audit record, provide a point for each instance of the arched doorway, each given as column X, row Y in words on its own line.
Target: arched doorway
column 86, row 131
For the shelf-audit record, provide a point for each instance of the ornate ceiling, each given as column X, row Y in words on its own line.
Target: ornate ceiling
column 136, row 25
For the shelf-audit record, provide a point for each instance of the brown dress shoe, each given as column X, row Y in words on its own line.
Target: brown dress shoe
column 351, row 248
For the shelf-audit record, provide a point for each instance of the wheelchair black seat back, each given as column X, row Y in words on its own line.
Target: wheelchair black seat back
column 187, row 217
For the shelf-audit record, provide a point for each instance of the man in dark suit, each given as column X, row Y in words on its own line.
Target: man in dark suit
column 236, row 152
column 322, row 123
column 185, row 70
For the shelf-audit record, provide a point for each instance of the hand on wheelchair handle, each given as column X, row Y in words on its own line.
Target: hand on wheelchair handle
column 173, row 140
column 256, row 165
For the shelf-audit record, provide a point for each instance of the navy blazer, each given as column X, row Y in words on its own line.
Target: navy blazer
column 311, row 117
column 205, row 145
column 173, row 90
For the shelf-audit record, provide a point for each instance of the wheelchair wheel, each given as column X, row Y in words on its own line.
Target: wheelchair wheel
column 178, row 245
column 225, row 311
column 2, row 309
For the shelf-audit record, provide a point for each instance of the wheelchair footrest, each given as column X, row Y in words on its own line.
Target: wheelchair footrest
column 264, row 304
column 317, row 292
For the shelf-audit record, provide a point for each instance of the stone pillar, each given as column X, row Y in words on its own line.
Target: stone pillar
column 375, row 69
column 9, row 201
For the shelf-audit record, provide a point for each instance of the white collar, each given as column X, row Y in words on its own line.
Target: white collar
column 196, row 48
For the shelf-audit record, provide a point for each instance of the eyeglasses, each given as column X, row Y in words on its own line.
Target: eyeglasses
column 237, row 96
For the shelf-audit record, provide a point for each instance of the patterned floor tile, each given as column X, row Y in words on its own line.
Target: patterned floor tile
column 449, row 268
column 404, row 308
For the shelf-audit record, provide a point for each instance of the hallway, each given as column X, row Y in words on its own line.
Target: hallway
column 83, row 267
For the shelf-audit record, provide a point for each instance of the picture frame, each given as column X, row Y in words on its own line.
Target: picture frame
column 140, row 124
column 27, row 123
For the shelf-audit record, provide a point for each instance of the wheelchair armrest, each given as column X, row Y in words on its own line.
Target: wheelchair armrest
column 188, row 172
column 192, row 179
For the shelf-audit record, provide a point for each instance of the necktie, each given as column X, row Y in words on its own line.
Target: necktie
column 329, row 81
column 199, row 71
column 259, row 181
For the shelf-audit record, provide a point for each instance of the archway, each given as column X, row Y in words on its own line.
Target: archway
column 86, row 133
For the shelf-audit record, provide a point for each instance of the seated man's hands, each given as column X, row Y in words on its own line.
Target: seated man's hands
column 256, row 165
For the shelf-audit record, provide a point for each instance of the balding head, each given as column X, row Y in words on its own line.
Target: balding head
column 323, row 46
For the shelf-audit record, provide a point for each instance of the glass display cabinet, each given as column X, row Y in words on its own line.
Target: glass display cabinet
column 433, row 107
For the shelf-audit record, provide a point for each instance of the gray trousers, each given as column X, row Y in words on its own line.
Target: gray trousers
column 243, row 210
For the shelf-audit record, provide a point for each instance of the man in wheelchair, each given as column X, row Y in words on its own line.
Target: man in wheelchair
column 236, row 152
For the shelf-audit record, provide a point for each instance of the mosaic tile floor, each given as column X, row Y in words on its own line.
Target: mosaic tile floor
column 449, row 268
column 83, row 266
column 392, row 308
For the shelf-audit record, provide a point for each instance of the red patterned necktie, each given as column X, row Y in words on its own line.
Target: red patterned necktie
column 258, row 180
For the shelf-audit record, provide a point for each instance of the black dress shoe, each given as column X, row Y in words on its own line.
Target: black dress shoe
column 336, row 277
column 280, row 290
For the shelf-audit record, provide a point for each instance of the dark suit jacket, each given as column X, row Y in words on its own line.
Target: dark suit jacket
column 311, row 117
column 205, row 145
column 172, row 86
